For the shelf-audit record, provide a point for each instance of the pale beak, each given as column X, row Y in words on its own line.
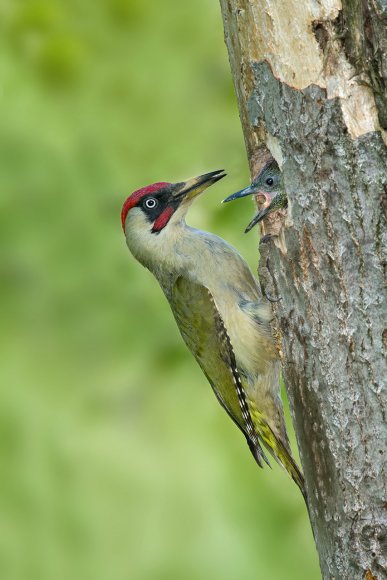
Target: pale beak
column 193, row 187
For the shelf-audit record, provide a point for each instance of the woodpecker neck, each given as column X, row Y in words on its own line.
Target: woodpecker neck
column 155, row 251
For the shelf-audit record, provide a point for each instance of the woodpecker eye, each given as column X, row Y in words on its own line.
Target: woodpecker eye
column 151, row 203
column 269, row 181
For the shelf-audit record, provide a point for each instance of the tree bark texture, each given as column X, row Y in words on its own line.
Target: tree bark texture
column 310, row 84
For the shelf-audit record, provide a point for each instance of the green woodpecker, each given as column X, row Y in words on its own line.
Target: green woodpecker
column 269, row 185
column 218, row 307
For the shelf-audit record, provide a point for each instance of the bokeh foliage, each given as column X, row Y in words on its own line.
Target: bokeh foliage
column 116, row 460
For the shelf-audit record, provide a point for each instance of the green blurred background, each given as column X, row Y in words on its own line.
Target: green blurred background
column 116, row 460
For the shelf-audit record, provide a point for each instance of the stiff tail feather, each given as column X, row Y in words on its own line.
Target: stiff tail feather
column 278, row 450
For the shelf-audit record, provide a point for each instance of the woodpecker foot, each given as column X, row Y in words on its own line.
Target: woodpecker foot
column 268, row 296
column 271, row 298
column 266, row 238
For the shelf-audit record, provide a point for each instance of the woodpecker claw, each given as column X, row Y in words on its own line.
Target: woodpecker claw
column 271, row 298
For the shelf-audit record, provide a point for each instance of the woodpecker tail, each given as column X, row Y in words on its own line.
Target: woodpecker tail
column 279, row 450
column 282, row 455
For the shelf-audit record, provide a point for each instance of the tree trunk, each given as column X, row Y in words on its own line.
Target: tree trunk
column 310, row 87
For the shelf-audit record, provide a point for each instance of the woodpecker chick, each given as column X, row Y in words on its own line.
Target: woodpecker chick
column 219, row 310
column 269, row 185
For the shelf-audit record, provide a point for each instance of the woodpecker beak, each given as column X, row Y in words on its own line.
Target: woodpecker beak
column 242, row 193
column 190, row 189
column 260, row 215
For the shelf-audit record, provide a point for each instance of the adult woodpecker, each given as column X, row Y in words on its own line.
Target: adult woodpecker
column 268, row 184
column 218, row 307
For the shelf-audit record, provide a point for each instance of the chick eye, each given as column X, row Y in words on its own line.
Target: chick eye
column 269, row 181
column 150, row 203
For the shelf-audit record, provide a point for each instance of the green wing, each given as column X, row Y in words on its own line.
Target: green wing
column 204, row 333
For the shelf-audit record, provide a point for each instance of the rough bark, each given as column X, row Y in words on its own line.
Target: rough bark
column 309, row 82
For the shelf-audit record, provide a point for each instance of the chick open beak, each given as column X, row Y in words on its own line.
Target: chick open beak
column 260, row 196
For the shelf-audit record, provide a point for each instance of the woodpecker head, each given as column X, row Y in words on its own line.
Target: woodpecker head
column 266, row 184
column 268, row 188
column 148, row 214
